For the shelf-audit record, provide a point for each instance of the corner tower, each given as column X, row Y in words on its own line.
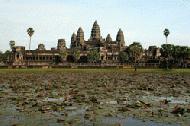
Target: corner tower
column 73, row 40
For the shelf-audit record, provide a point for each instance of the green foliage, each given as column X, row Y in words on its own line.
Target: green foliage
column 76, row 54
column 188, row 52
column 184, row 51
column 12, row 44
column 93, row 56
column 136, row 50
column 167, row 50
column 106, row 71
column 5, row 56
column 63, row 55
column 123, row 57
column 166, row 32
column 176, row 51
column 1, row 56
column 30, row 31
column 174, row 54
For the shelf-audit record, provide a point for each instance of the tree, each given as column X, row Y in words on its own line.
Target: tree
column 76, row 54
column 6, row 56
column 63, row 55
column 1, row 56
column 30, row 32
column 12, row 44
column 167, row 51
column 93, row 56
column 174, row 54
column 184, row 54
column 177, row 54
column 123, row 57
column 188, row 52
column 166, row 33
column 136, row 50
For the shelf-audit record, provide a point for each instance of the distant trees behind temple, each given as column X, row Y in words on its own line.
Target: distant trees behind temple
column 168, row 55
column 175, row 55
column 4, row 57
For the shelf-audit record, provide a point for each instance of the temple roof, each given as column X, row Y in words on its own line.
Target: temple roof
column 108, row 38
column 74, row 35
column 120, row 36
column 95, row 23
column 95, row 32
column 120, row 31
column 80, row 30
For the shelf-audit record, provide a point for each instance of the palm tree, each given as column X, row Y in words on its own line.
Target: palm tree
column 11, row 44
column 30, row 32
column 166, row 33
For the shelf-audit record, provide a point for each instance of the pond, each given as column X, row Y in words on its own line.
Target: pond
column 9, row 116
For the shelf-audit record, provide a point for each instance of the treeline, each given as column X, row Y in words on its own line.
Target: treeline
column 171, row 55
column 4, row 56
column 175, row 55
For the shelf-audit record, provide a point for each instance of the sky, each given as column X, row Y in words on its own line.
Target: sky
column 141, row 20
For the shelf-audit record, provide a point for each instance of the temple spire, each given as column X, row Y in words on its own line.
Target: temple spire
column 73, row 40
column 80, row 37
column 120, row 38
column 108, row 38
column 95, row 32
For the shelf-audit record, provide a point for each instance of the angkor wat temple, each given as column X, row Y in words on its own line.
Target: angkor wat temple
column 108, row 49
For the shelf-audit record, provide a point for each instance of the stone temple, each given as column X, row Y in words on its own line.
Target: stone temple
column 108, row 49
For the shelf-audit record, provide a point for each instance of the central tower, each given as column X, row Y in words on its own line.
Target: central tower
column 120, row 38
column 95, row 33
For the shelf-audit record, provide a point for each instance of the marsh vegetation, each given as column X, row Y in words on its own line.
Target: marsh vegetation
column 94, row 96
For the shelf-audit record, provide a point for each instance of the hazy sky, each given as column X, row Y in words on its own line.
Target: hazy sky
column 141, row 20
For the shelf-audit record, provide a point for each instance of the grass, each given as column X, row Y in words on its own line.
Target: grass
column 161, row 71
